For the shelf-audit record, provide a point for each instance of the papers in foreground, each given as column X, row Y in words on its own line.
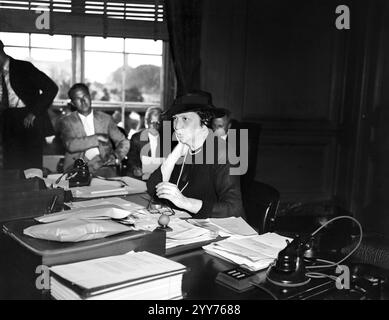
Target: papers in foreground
column 225, row 227
column 136, row 276
column 104, row 188
column 253, row 252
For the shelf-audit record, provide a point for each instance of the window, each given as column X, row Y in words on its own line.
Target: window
column 130, row 72
column 125, row 73
column 51, row 54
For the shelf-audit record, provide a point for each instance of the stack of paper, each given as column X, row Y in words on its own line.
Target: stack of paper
column 133, row 276
column 182, row 232
column 225, row 227
column 113, row 201
column 185, row 233
column 102, row 188
column 253, row 252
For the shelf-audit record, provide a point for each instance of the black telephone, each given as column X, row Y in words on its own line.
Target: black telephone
column 289, row 267
column 79, row 174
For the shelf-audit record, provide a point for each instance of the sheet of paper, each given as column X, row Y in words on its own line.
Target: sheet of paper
column 184, row 233
column 250, row 247
column 33, row 172
column 242, row 261
column 171, row 243
column 150, row 164
column 182, row 230
column 116, row 269
column 226, row 226
column 256, row 252
column 114, row 201
column 181, row 214
column 98, row 191
column 234, row 225
column 101, row 188
column 128, row 181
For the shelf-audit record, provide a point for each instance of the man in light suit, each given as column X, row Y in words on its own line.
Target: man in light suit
column 91, row 135
column 25, row 95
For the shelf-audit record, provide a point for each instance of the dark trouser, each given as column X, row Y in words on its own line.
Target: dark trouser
column 22, row 147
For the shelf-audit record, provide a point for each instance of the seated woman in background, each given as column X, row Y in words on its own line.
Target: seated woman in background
column 186, row 179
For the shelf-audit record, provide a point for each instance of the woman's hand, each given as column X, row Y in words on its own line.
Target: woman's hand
column 169, row 191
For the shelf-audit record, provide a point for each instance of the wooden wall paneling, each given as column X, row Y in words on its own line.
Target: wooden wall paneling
column 289, row 58
column 294, row 87
column 371, row 198
column 299, row 165
column 283, row 65
column 223, row 53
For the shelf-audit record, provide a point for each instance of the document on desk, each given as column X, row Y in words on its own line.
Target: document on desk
column 253, row 252
column 226, row 226
column 114, row 201
column 186, row 233
column 116, row 269
column 103, row 188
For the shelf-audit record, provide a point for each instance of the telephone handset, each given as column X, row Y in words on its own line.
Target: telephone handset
column 79, row 174
column 289, row 267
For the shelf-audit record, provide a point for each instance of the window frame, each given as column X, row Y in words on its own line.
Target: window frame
column 78, row 75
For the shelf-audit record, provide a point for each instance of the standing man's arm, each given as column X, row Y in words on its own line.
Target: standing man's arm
column 134, row 160
column 48, row 90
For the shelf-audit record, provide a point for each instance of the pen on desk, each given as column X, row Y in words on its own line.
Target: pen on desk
column 52, row 203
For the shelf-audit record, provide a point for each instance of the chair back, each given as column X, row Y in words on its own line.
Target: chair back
column 260, row 202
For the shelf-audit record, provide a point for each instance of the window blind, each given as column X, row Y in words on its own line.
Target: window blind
column 116, row 18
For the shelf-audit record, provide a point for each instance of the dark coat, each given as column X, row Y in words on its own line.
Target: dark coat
column 23, row 146
column 210, row 182
column 32, row 86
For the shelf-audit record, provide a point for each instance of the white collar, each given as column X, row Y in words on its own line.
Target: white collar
column 152, row 137
column 86, row 117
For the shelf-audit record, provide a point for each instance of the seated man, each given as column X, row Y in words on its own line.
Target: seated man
column 221, row 122
column 146, row 142
column 91, row 135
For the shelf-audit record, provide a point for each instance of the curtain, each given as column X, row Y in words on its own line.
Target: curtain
column 184, row 28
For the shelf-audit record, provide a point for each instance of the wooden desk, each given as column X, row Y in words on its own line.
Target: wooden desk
column 198, row 282
column 19, row 262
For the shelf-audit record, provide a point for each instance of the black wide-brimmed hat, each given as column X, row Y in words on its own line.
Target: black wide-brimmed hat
column 191, row 102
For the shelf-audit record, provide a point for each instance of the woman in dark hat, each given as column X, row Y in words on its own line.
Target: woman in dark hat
column 195, row 176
